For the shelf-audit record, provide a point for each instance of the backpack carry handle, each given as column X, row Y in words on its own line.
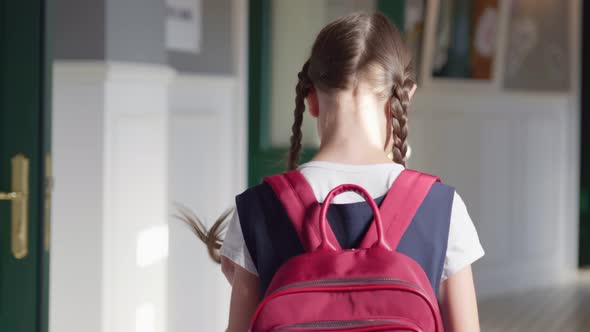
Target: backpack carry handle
column 326, row 244
column 400, row 205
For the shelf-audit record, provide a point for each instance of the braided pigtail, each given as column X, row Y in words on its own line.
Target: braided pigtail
column 400, row 102
column 302, row 89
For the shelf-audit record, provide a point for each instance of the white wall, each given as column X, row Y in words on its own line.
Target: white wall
column 136, row 195
column 201, row 167
column 109, row 219
column 78, row 198
column 125, row 152
column 208, row 158
column 509, row 156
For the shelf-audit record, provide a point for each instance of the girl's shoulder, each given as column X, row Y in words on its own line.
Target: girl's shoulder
column 321, row 177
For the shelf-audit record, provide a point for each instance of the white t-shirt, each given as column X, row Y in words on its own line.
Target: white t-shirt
column 463, row 246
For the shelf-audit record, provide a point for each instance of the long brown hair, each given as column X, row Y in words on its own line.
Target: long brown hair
column 352, row 48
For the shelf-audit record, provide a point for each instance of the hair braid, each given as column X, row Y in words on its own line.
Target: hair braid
column 302, row 89
column 400, row 102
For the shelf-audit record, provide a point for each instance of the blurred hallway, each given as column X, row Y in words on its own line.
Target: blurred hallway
column 157, row 104
column 563, row 308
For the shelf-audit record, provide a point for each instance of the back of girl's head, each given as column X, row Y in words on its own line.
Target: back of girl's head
column 354, row 48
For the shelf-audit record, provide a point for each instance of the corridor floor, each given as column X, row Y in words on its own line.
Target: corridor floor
column 563, row 309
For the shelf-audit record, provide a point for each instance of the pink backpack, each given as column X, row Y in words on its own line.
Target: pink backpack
column 370, row 289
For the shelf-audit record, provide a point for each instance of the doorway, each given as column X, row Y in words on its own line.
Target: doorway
column 24, row 165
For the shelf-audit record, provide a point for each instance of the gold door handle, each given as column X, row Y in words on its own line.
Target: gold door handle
column 19, row 206
column 11, row 196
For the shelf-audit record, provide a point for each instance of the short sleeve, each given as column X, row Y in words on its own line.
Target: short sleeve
column 463, row 247
column 234, row 247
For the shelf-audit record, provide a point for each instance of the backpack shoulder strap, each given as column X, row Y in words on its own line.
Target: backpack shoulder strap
column 400, row 205
column 302, row 207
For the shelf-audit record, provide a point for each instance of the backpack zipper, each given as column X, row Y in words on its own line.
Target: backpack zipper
column 362, row 325
column 358, row 283
column 342, row 282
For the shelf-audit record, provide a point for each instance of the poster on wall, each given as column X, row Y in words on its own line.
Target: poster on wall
column 465, row 43
column 183, row 25
column 538, row 52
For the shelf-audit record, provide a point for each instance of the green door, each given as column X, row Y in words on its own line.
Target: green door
column 24, row 147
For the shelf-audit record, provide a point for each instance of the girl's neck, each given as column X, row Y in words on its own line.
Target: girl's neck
column 351, row 131
column 350, row 154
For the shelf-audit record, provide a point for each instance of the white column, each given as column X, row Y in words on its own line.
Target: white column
column 136, row 198
column 110, row 234
column 201, row 179
column 208, row 167
column 77, row 218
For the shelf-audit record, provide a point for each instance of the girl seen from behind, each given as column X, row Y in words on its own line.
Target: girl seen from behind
column 358, row 83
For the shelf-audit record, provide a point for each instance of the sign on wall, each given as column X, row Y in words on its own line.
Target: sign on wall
column 183, row 25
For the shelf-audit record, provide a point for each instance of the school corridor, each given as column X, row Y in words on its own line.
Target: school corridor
column 558, row 308
column 118, row 115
